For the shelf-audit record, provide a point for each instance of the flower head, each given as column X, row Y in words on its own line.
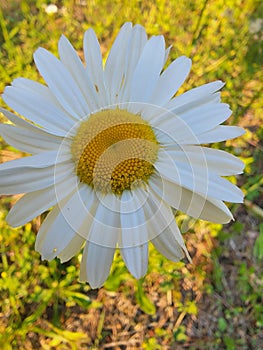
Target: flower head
column 113, row 151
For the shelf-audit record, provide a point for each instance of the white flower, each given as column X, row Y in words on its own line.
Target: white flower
column 51, row 9
column 113, row 151
column 256, row 25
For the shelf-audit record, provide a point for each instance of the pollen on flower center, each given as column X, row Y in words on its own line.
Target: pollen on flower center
column 114, row 150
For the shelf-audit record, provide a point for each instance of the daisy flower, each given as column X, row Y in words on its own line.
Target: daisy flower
column 113, row 152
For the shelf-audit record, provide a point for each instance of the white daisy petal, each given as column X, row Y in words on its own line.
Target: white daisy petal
column 188, row 107
column 75, row 219
column 220, row 133
column 158, row 215
column 185, row 128
column 166, row 55
column 60, row 117
column 132, row 219
column 61, row 83
column 95, row 264
column 29, row 178
column 134, row 238
column 137, row 41
column 217, row 161
column 72, row 62
column 147, row 71
column 44, row 94
column 79, row 211
column 115, row 67
column 26, row 141
column 26, row 209
column 166, row 243
column 51, row 239
column 106, row 224
column 101, row 244
column 42, row 160
column 165, row 213
column 34, row 86
column 206, row 117
column 171, row 80
column 136, row 259
column 94, row 67
column 201, row 182
column 195, row 95
column 38, row 109
column 189, row 202
column 71, row 249
column 179, row 132
column 18, row 121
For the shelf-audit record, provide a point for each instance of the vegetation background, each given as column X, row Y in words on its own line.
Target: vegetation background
column 214, row 303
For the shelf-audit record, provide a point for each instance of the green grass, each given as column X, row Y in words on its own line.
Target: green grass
column 215, row 303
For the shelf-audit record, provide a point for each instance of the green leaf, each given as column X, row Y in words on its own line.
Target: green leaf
column 179, row 334
column 222, row 324
column 81, row 299
column 145, row 303
column 229, row 343
column 192, row 308
column 258, row 246
column 46, row 296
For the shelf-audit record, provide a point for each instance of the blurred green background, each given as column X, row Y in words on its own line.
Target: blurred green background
column 214, row 303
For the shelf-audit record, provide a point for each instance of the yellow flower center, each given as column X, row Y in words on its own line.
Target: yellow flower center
column 114, row 150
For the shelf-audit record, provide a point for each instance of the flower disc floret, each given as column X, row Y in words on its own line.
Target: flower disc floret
column 114, row 150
